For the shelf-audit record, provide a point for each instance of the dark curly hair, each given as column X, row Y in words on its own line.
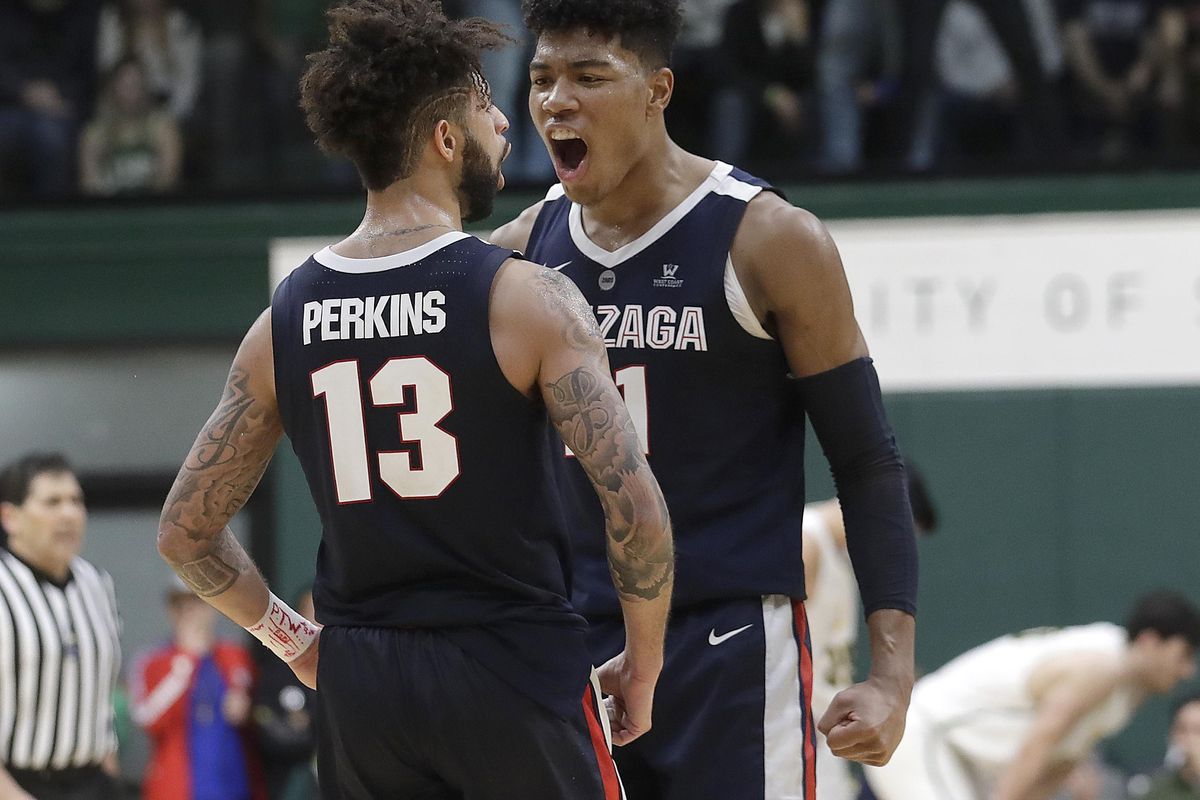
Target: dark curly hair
column 649, row 28
column 392, row 69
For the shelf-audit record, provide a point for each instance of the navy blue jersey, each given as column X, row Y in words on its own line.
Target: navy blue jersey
column 431, row 472
column 714, row 403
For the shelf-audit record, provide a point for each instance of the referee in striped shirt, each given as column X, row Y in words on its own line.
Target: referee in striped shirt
column 59, row 648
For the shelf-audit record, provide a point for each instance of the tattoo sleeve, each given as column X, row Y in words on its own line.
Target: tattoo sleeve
column 225, row 464
column 589, row 413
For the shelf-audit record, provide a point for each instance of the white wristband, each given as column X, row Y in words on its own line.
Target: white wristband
column 284, row 632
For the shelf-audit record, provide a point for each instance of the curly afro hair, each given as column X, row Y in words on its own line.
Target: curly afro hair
column 648, row 28
column 392, row 70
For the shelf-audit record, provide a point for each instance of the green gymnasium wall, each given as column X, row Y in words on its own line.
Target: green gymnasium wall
column 1058, row 506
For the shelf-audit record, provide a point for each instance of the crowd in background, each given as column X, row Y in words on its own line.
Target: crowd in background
column 115, row 97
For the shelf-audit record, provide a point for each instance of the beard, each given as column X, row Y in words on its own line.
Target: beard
column 479, row 183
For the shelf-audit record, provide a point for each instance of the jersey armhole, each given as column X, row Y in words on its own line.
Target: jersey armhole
column 739, row 306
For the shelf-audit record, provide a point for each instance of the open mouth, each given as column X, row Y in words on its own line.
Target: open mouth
column 570, row 153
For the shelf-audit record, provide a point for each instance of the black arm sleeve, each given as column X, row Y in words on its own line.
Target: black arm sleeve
column 846, row 409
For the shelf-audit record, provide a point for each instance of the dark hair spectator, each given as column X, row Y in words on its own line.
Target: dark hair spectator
column 132, row 146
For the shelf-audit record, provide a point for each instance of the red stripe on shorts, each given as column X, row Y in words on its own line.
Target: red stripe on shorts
column 806, row 678
column 608, row 770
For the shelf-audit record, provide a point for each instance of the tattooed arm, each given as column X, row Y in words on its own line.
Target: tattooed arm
column 224, row 466
column 549, row 345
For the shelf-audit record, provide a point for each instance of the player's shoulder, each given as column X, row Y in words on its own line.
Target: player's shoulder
column 537, row 288
column 779, row 246
column 770, row 220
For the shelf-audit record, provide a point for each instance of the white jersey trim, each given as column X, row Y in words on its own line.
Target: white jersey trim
column 739, row 306
column 625, row 252
column 783, row 719
column 360, row 266
column 556, row 191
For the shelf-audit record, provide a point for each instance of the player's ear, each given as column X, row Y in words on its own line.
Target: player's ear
column 661, row 86
column 445, row 140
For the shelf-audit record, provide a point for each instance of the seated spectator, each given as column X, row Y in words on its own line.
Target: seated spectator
column 859, row 61
column 1112, row 53
column 132, row 146
column 164, row 39
column 768, row 45
column 47, row 76
column 1180, row 778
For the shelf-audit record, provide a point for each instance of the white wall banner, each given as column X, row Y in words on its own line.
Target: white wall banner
column 1010, row 302
column 1028, row 301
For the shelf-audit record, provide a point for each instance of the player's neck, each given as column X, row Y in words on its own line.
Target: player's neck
column 405, row 215
column 659, row 181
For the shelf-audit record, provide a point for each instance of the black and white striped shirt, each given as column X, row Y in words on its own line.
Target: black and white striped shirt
column 59, row 659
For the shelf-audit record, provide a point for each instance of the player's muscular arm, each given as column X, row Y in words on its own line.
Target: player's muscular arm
column 590, row 415
column 515, row 235
column 225, row 464
column 221, row 471
column 1063, row 695
column 548, row 345
column 792, row 274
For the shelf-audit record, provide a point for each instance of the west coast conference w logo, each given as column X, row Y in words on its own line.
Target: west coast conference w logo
column 668, row 280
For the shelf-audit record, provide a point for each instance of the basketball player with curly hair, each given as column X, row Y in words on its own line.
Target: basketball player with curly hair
column 419, row 374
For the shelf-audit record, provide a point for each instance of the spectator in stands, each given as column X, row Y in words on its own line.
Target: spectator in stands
column 132, row 145
column 769, row 46
column 1180, row 778
column 702, row 96
column 859, row 65
column 980, row 117
column 1114, row 60
column 1039, row 99
column 193, row 698
column 249, row 125
column 164, row 39
column 47, row 75
column 1179, row 90
column 284, row 711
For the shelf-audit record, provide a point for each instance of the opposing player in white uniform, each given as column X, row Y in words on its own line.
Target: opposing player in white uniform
column 1010, row 719
column 833, row 615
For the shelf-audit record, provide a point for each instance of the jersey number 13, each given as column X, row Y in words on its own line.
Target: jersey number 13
column 426, row 403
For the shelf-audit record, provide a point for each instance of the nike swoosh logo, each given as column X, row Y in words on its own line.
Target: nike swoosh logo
column 560, row 266
column 715, row 640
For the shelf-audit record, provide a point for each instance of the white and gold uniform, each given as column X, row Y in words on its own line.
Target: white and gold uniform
column 968, row 719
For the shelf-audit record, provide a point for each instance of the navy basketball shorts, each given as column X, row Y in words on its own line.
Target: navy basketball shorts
column 407, row 715
column 731, row 711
